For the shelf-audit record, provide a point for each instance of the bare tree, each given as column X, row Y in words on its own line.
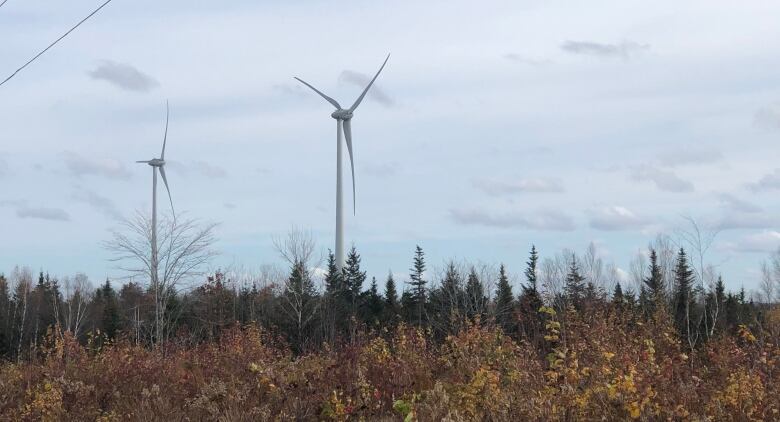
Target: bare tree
column 78, row 294
column 297, row 296
column 21, row 280
column 184, row 249
column 699, row 240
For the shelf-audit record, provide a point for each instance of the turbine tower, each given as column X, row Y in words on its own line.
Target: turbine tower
column 343, row 124
column 158, row 164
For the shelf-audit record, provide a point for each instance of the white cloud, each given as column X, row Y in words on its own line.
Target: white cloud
column 503, row 187
column 540, row 220
column 763, row 242
column 685, row 156
column 79, row 165
column 615, row 218
column 664, row 180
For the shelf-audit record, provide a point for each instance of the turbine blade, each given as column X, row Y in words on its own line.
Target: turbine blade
column 165, row 180
column 330, row 100
column 145, row 162
column 348, row 137
column 360, row 98
column 165, row 138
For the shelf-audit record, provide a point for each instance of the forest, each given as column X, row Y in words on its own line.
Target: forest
column 562, row 341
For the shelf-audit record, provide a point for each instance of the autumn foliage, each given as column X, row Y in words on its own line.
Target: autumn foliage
column 594, row 365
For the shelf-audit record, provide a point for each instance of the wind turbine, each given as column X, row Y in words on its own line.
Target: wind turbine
column 343, row 123
column 158, row 164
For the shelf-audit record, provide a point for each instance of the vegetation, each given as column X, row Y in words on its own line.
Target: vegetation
column 458, row 346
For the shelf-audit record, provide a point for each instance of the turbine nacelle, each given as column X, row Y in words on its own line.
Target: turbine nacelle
column 157, row 162
column 342, row 114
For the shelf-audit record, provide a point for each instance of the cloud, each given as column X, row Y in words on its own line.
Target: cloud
column 519, row 58
column 229, row 205
column 83, row 166
column 664, row 180
column 100, row 203
column 732, row 203
column 210, row 170
column 541, row 220
column 741, row 220
column 361, row 80
column 382, row 170
column 763, row 242
column 769, row 182
column 23, row 210
column 615, row 218
column 3, row 168
column 768, row 117
column 124, row 76
column 689, row 156
column 624, row 50
column 202, row 168
column 538, row 185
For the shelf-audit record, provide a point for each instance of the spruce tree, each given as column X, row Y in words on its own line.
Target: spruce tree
column 683, row 279
column 475, row 295
column 353, row 280
column 530, row 301
column 418, row 282
column 655, row 286
column 372, row 305
column 391, row 294
column 575, row 287
column 618, row 299
column 504, row 302
column 110, row 317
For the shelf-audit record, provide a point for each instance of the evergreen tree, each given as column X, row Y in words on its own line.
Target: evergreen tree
column 655, row 294
column 475, row 296
column 353, row 281
column 618, row 299
column 504, row 302
column 298, row 303
column 391, row 306
column 683, row 279
column 372, row 305
column 530, row 301
column 575, row 287
column 418, row 283
column 110, row 316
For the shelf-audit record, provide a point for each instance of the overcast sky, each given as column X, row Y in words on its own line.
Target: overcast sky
column 494, row 126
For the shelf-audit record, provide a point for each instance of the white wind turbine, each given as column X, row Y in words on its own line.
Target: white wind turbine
column 158, row 164
column 343, row 123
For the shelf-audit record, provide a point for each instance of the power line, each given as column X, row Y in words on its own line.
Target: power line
column 4, row 2
column 55, row 42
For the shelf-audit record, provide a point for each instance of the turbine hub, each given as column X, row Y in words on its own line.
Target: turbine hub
column 157, row 162
column 341, row 114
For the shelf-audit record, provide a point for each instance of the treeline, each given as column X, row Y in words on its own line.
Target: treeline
column 347, row 304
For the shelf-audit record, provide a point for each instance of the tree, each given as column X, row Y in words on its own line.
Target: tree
column 618, row 299
column 298, row 299
column 530, row 300
column 475, row 296
column 391, row 307
column 418, row 282
column 353, row 281
column 299, row 303
column 574, row 287
column 504, row 302
column 654, row 284
column 184, row 248
column 372, row 306
column 109, row 319
column 683, row 299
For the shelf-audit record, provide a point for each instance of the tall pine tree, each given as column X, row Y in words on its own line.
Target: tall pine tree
column 418, row 283
column 504, row 302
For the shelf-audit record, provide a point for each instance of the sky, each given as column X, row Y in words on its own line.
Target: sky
column 494, row 126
